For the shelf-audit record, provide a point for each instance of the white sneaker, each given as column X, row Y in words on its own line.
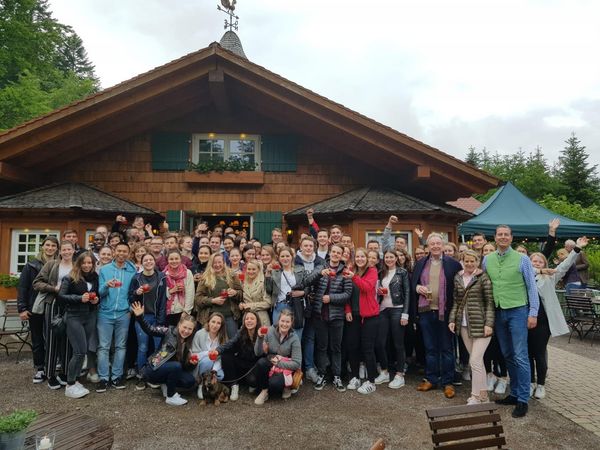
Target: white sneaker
column 163, row 388
column 39, row 376
column 491, row 381
column 235, row 392
column 287, row 393
column 82, row 388
column 367, row 388
column 531, row 389
column 353, row 384
column 501, row 386
column 383, row 377
column 74, row 391
column 472, row 400
column 92, row 378
column 397, row 382
column 175, row 400
column 540, row 392
column 362, row 371
column 199, row 393
column 262, row 397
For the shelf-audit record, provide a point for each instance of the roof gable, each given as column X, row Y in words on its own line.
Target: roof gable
column 204, row 77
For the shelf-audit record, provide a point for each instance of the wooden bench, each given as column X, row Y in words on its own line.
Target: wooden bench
column 466, row 427
column 73, row 431
column 11, row 326
column 582, row 317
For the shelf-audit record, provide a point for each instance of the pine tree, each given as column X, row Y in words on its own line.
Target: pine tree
column 579, row 180
column 473, row 157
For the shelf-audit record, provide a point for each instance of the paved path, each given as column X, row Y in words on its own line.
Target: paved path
column 573, row 388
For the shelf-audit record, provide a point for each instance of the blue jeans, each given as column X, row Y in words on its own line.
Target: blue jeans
column 439, row 352
column 308, row 345
column 143, row 338
column 205, row 364
column 106, row 328
column 170, row 373
column 231, row 326
column 511, row 330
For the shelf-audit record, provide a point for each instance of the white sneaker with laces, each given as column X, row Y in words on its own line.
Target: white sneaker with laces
column 175, row 400
column 39, row 376
column 235, row 392
column 397, row 382
column 353, row 384
column 501, row 386
column 491, row 381
column 540, row 392
column 383, row 377
column 262, row 397
column 367, row 388
column 362, row 371
column 472, row 400
column 82, row 387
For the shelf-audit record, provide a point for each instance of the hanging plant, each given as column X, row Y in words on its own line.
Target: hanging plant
column 220, row 166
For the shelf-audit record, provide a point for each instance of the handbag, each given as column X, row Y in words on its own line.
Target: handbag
column 296, row 379
column 59, row 324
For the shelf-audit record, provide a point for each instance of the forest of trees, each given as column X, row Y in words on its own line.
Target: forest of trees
column 569, row 186
column 43, row 63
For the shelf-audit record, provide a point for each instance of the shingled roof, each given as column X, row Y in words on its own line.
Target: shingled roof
column 376, row 200
column 73, row 196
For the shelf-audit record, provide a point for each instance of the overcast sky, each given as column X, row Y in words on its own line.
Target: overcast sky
column 503, row 75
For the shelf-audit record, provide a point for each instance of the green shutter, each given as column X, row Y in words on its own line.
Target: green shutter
column 170, row 151
column 174, row 220
column 264, row 222
column 278, row 153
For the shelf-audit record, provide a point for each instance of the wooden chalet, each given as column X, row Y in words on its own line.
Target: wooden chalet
column 138, row 139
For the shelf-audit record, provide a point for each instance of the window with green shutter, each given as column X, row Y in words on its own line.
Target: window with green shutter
column 174, row 220
column 264, row 222
column 279, row 153
column 170, row 151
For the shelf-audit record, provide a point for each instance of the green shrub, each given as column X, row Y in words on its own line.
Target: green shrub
column 17, row 421
column 594, row 270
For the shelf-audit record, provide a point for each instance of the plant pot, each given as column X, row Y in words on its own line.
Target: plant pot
column 12, row 441
column 243, row 177
column 8, row 293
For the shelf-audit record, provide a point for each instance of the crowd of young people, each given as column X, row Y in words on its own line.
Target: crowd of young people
column 165, row 310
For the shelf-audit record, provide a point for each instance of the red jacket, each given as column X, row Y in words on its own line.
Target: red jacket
column 368, row 304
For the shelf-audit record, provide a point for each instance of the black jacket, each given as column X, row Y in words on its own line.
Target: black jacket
column 170, row 348
column 25, row 293
column 338, row 288
column 160, row 301
column 71, row 292
column 399, row 289
column 242, row 350
column 451, row 268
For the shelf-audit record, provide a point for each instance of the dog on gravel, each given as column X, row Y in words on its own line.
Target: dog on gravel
column 213, row 390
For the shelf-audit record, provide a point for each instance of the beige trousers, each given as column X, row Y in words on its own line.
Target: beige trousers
column 476, row 348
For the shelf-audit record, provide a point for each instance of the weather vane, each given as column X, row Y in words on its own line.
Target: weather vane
column 228, row 8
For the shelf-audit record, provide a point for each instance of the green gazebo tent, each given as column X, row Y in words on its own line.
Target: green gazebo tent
column 527, row 219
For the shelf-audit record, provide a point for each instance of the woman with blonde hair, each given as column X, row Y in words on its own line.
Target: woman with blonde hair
column 255, row 297
column 219, row 291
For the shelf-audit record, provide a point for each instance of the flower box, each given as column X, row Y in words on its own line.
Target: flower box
column 8, row 293
column 244, row 177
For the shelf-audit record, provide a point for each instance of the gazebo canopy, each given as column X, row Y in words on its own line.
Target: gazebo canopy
column 526, row 218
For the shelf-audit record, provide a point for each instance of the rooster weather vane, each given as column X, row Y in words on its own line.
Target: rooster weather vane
column 228, row 8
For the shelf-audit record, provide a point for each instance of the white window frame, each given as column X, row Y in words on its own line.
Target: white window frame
column 14, row 247
column 227, row 138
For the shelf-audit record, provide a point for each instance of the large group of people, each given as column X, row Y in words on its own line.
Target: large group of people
column 172, row 310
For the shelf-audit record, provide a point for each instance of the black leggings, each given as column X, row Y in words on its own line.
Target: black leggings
column 79, row 331
column 36, row 325
column 57, row 347
column 493, row 356
column 537, row 343
column 360, row 337
column 234, row 368
column 274, row 384
column 389, row 325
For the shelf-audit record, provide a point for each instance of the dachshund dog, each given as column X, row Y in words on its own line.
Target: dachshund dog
column 212, row 389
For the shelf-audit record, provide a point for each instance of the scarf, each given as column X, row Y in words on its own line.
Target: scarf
column 175, row 277
column 423, row 302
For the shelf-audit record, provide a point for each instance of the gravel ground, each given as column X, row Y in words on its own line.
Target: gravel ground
column 310, row 420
